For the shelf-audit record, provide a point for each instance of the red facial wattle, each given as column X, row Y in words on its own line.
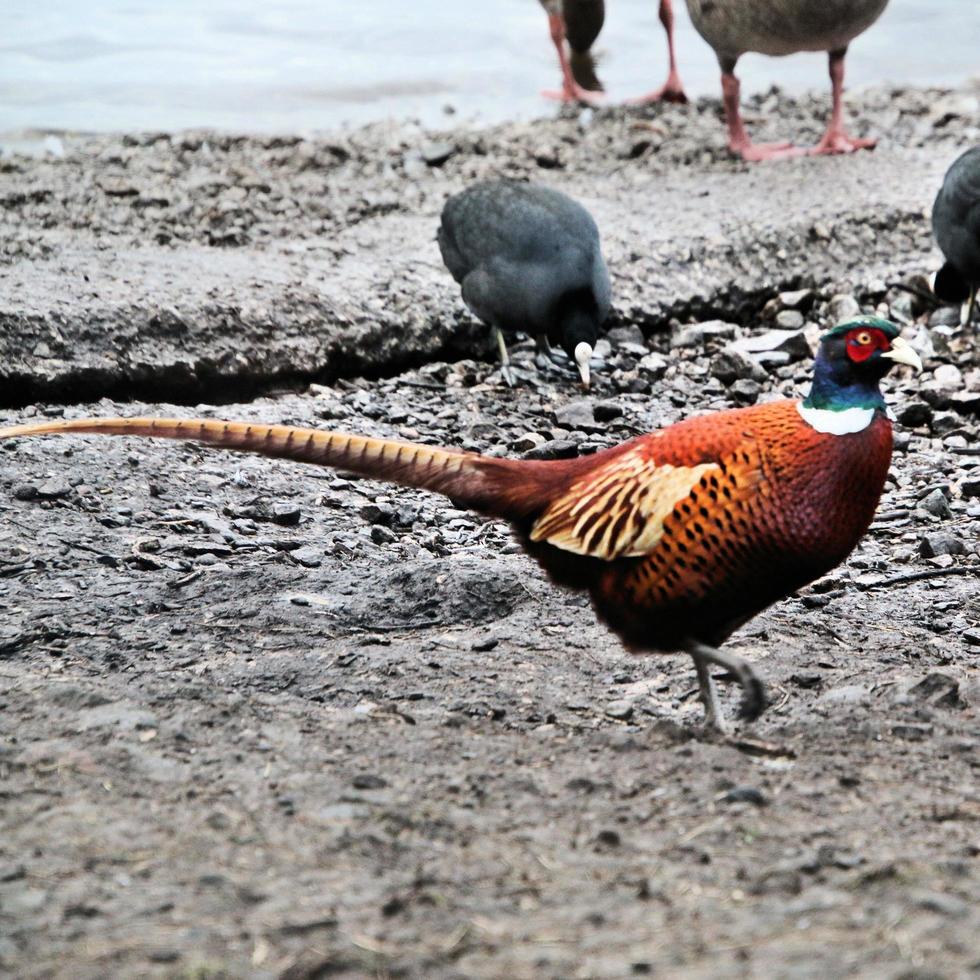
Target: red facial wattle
column 863, row 342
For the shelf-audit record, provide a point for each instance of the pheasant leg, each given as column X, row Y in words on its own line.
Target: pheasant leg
column 713, row 716
column 753, row 692
column 505, row 370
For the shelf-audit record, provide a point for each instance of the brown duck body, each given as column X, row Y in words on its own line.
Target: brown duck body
column 781, row 27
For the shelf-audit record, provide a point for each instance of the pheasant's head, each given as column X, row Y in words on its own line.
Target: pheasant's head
column 852, row 359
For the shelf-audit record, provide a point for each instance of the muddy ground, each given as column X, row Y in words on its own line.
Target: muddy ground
column 263, row 720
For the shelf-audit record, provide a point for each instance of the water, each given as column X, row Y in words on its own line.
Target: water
column 130, row 65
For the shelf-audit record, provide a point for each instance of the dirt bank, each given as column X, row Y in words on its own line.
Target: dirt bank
column 263, row 720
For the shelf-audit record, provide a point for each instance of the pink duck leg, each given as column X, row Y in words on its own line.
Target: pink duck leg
column 671, row 90
column 571, row 91
column 738, row 139
column 836, row 140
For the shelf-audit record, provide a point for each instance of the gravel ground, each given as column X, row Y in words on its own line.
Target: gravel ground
column 263, row 720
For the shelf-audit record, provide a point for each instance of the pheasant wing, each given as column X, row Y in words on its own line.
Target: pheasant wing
column 618, row 510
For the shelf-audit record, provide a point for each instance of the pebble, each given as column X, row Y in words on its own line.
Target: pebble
column 435, row 154
column 697, row 334
column 731, row 365
column 53, row 489
column 575, row 414
column 745, row 794
column 654, row 364
column 842, row 307
column 940, row 543
column 368, row 780
column 936, row 504
column 789, row 342
column 554, row 449
column 622, row 710
column 746, row 391
column 286, row 515
column 790, row 320
column 528, row 441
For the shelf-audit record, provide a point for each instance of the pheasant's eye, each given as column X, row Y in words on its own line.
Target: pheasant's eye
column 863, row 338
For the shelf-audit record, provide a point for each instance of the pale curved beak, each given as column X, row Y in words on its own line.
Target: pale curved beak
column 583, row 354
column 902, row 352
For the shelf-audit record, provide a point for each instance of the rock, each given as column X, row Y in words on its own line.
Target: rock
column 965, row 402
column 970, row 488
column 606, row 411
column 938, row 689
column 790, row 320
column 654, row 364
column 575, row 414
column 368, row 781
column 626, row 335
column 915, row 414
column 383, row 535
column 746, row 391
column 622, row 710
column 798, row 299
column 435, row 154
column 940, row 543
column 554, row 449
column 936, row 504
column 745, row 794
column 790, row 342
column 528, row 441
column 378, row 513
column 842, row 307
column 948, row 377
column 698, row 334
column 308, row 557
column 731, row 365
column 53, row 489
column 286, row 515
column 25, row 491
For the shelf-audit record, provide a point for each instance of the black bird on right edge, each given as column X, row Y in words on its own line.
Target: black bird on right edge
column 528, row 258
column 956, row 225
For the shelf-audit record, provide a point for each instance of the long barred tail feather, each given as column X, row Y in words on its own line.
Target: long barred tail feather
column 497, row 487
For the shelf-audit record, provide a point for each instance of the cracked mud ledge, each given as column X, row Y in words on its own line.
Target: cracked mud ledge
column 264, row 720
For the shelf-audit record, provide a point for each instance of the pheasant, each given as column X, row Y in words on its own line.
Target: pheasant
column 528, row 258
column 579, row 22
column 679, row 536
column 781, row 27
column 956, row 225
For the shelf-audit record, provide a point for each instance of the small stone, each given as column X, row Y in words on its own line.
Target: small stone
column 621, row 710
column 746, row 391
column 308, row 557
column 791, row 342
column 789, row 320
column 948, row 376
column 915, row 414
column 528, row 441
column 554, row 449
column 25, row 491
column 383, row 535
column 435, row 154
column 53, row 489
column 626, row 335
column 797, row 299
column 286, row 515
column 575, row 414
column 482, row 646
column 654, row 364
column 745, row 794
column 965, row 402
column 970, row 488
column 697, row 334
column 606, row 411
column 731, row 365
column 940, row 543
column 368, row 781
column 378, row 513
column 936, row 504
column 842, row 307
